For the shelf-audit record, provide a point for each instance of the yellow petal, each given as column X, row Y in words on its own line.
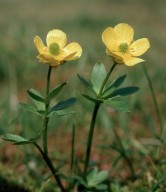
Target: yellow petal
column 61, row 56
column 110, row 39
column 40, row 45
column 118, row 61
column 133, row 61
column 56, row 36
column 139, row 47
column 124, row 32
column 121, row 56
column 73, row 51
column 47, row 58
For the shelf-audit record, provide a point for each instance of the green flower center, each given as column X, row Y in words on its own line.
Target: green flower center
column 123, row 47
column 54, row 49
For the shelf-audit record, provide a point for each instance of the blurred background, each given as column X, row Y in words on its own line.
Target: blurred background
column 82, row 21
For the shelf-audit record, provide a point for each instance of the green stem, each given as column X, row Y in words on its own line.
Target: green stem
column 91, row 131
column 73, row 149
column 106, row 79
column 71, row 179
column 46, row 118
column 90, row 137
column 154, row 99
column 51, row 167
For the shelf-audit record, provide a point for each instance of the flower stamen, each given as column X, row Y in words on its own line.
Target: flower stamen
column 123, row 47
column 54, row 49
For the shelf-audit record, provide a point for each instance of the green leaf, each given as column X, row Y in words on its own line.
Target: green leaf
column 115, row 84
column 95, row 100
column 55, row 91
column 28, row 107
column 31, row 109
column 122, row 92
column 63, row 104
column 119, row 105
column 115, row 188
column 16, row 139
column 91, row 176
column 140, row 146
column 101, row 187
column 101, row 176
column 94, row 177
column 34, row 94
column 39, row 105
column 98, row 75
column 61, row 113
column 81, row 180
column 86, row 83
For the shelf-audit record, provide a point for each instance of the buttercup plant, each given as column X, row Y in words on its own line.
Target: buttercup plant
column 120, row 46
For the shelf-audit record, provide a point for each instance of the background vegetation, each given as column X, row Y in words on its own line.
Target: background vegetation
column 83, row 21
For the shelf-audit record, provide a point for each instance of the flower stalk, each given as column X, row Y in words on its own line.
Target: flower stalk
column 51, row 167
column 92, row 125
column 90, row 137
column 106, row 78
column 46, row 118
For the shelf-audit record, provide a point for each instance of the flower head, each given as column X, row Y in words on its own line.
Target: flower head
column 57, row 52
column 119, row 44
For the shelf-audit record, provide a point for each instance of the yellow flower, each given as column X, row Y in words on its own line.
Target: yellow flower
column 57, row 52
column 119, row 44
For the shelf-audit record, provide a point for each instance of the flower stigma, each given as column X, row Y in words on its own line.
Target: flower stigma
column 54, row 49
column 123, row 47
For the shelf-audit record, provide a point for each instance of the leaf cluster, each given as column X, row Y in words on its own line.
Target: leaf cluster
column 109, row 93
column 39, row 108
